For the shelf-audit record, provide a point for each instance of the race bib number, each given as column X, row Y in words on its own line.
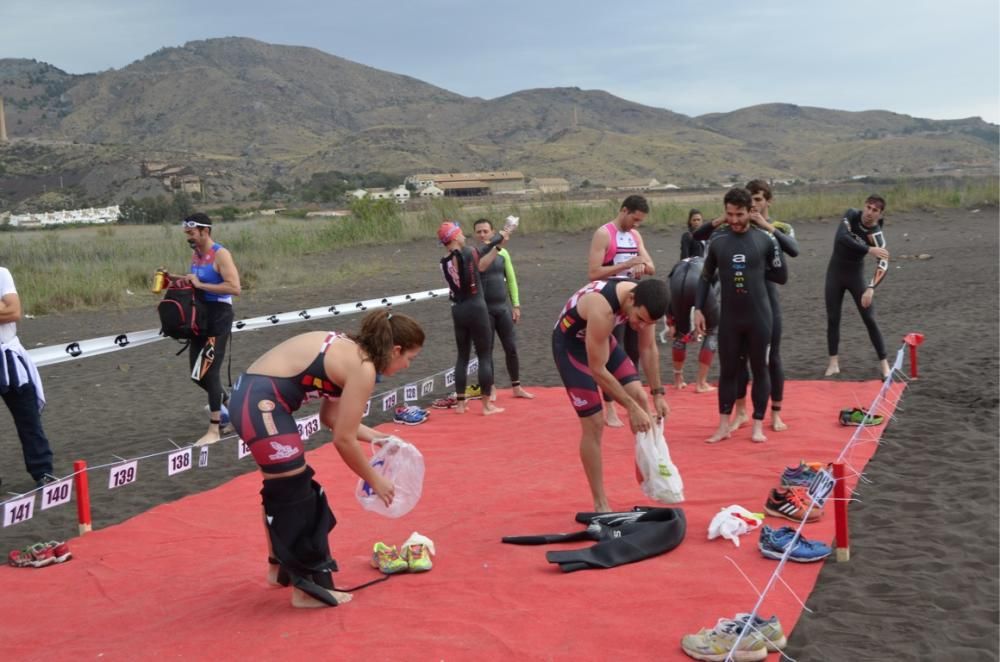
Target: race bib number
column 449, row 377
column 410, row 393
column 427, row 387
column 178, row 461
column 388, row 401
column 56, row 494
column 242, row 450
column 821, row 486
column 18, row 510
column 308, row 426
column 123, row 474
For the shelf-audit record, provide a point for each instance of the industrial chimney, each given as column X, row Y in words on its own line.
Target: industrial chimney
column 3, row 124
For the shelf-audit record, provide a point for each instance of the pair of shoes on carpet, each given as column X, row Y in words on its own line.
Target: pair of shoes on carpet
column 410, row 415
column 40, row 554
column 414, row 556
column 858, row 416
column 774, row 542
column 792, row 503
column 802, row 475
column 720, row 642
column 446, row 402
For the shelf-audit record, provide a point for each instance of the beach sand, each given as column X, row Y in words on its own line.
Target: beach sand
column 922, row 583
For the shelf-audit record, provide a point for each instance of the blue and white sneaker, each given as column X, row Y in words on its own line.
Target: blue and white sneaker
column 223, row 416
column 800, row 476
column 773, row 542
column 411, row 415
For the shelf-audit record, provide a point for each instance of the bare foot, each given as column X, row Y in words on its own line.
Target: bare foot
column 302, row 600
column 832, row 369
column 602, row 506
column 704, row 388
column 489, row 408
column 521, row 393
column 884, row 369
column 272, row 574
column 717, row 437
column 611, row 417
column 777, row 424
column 210, row 437
column 757, row 435
column 493, row 396
column 460, row 407
column 680, row 384
column 738, row 420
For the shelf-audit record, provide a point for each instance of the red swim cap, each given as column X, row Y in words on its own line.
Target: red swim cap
column 448, row 231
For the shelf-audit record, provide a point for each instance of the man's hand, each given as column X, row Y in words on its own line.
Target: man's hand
column 867, row 297
column 516, row 314
column 758, row 219
column 638, row 419
column 699, row 322
column 879, row 252
column 194, row 280
column 661, row 406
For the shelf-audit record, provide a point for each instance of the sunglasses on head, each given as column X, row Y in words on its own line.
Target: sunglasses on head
column 195, row 224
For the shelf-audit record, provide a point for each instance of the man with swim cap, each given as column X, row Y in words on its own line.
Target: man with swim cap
column 859, row 235
column 461, row 269
column 617, row 251
column 588, row 357
column 744, row 258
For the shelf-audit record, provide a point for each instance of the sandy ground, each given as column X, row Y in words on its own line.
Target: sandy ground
column 922, row 583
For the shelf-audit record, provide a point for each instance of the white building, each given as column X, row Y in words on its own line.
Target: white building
column 431, row 192
column 91, row 215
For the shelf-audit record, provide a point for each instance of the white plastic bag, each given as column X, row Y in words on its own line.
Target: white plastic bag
column 661, row 480
column 732, row 522
column 402, row 463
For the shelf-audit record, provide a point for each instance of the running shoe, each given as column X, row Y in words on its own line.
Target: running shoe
column 774, row 542
column 38, row 555
column 800, row 476
column 386, row 558
column 858, row 416
column 473, row 392
column 417, row 551
column 714, row 645
column 791, row 503
column 409, row 415
column 446, row 402
column 769, row 629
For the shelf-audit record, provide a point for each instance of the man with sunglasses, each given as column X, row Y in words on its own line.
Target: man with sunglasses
column 214, row 274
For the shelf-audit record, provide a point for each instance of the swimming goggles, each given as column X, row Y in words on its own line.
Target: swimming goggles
column 195, row 224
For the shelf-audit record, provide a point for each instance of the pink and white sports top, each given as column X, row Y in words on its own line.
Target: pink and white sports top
column 623, row 246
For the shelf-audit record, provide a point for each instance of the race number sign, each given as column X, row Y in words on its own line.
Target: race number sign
column 473, row 366
column 178, row 461
column 56, row 494
column 427, row 387
column 410, row 393
column 242, row 450
column 203, row 457
column 308, row 426
column 449, row 377
column 123, row 474
column 368, row 407
column 821, row 486
column 16, row 511
column 388, row 401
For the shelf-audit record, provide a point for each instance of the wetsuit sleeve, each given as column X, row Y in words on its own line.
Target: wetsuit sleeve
column 494, row 242
column 508, row 272
column 686, row 240
column 882, row 266
column 705, row 282
column 776, row 270
column 787, row 243
column 704, row 231
column 847, row 240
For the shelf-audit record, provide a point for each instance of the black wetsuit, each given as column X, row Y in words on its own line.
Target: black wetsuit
column 744, row 261
column 691, row 246
column 469, row 314
column 496, row 292
column 683, row 280
column 846, row 272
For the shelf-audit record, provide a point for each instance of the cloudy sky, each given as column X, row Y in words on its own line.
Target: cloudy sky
column 936, row 59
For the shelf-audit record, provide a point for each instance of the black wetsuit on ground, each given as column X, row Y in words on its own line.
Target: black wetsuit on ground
column 744, row 262
column 846, row 272
column 469, row 314
column 495, row 292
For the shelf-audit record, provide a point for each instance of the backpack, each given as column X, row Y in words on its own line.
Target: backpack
column 182, row 311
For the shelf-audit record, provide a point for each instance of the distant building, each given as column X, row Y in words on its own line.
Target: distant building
column 358, row 193
column 430, row 192
column 549, row 184
column 66, row 217
column 471, row 183
column 635, row 185
column 400, row 194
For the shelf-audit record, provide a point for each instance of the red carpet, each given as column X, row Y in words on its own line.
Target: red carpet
column 186, row 580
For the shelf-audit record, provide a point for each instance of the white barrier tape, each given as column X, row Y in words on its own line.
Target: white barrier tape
column 52, row 354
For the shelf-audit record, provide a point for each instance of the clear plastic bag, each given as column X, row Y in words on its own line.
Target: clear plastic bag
column 402, row 463
column 661, row 480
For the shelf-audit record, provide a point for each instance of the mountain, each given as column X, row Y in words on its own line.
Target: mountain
column 239, row 111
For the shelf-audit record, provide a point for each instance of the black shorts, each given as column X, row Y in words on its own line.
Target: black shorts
column 265, row 423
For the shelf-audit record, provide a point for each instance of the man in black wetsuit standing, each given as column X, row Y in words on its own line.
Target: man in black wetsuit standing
column 858, row 236
column 744, row 258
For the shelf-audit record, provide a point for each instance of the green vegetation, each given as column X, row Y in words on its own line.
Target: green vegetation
column 62, row 270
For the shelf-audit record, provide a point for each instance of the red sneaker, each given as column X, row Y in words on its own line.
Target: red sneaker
column 791, row 503
column 38, row 555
